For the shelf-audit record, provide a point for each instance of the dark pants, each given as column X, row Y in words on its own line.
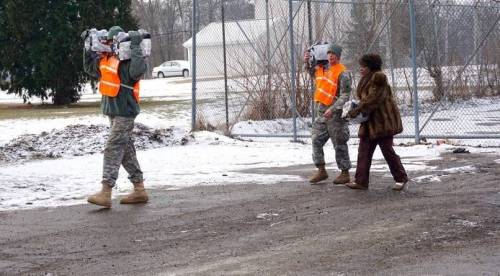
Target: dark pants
column 365, row 155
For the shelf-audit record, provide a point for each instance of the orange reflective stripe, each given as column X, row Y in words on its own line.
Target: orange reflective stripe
column 330, row 81
column 325, row 93
column 326, row 83
column 135, row 90
column 108, row 68
column 110, row 83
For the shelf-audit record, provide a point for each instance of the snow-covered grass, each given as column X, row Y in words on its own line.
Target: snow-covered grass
column 164, row 89
column 469, row 75
column 472, row 118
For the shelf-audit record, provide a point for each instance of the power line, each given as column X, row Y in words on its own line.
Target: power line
column 170, row 33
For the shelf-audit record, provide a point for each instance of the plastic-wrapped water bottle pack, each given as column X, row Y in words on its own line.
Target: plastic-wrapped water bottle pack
column 96, row 40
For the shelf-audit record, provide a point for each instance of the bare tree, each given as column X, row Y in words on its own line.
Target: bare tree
column 169, row 22
column 166, row 21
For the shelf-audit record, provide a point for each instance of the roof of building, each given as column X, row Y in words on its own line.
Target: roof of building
column 236, row 32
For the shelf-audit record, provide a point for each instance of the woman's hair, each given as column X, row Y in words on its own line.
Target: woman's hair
column 372, row 61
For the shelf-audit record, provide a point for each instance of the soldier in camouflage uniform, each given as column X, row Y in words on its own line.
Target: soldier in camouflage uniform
column 333, row 88
column 122, row 108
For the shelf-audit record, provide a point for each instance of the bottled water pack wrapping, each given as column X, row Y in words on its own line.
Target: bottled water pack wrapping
column 319, row 54
column 122, row 46
column 350, row 105
column 94, row 39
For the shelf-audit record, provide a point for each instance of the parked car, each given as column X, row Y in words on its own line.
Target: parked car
column 172, row 68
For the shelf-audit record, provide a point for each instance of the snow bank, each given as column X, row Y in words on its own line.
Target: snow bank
column 77, row 140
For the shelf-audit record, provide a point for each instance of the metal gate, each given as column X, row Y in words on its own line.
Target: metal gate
column 441, row 58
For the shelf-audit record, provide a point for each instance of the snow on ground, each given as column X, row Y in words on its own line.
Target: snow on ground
column 437, row 177
column 165, row 89
column 474, row 117
column 13, row 128
column 206, row 159
column 177, row 113
column 78, row 140
column 427, row 178
column 210, row 159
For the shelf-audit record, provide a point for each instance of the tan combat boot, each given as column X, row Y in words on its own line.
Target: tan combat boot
column 139, row 195
column 102, row 198
column 319, row 175
column 343, row 178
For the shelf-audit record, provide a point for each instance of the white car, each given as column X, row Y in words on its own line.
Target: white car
column 172, row 68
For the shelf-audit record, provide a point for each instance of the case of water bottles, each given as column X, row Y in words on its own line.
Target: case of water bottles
column 96, row 40
column 319, row 54
column 350, row 105
column 122, row 45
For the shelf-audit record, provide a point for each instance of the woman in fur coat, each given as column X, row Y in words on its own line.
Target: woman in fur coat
column 384, row 121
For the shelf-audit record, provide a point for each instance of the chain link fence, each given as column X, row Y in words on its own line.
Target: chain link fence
column 441, row 58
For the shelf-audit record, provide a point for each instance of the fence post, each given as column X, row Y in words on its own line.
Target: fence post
column 193, row 66
column 268, row 57
column 292, row 70
column 413, row 34
column 310, row 37
column 391, row 53
column 225, row 65
column 334, row 32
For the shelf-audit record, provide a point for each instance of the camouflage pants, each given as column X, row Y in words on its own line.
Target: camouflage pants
column 120, row 150
column 335, row 129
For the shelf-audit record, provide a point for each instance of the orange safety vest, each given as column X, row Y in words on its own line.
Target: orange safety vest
column 109, row 84
column 327, row 83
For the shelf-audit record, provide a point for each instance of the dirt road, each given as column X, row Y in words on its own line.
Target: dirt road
column 451, row 227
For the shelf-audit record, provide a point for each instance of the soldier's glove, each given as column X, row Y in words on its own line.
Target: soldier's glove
column 135, row 37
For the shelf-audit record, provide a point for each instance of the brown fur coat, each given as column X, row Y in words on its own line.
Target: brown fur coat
column 375, row 98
